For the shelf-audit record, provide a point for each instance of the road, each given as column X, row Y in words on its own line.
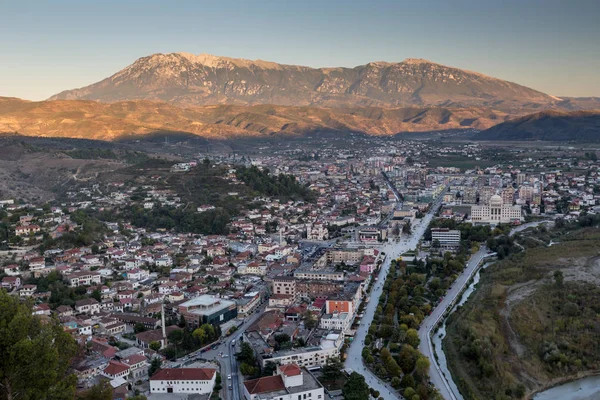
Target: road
column 425, row 347
column 228, row 362
column 392, row 250
column 430, row 321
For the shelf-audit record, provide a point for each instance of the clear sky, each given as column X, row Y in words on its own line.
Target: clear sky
column 47, row 46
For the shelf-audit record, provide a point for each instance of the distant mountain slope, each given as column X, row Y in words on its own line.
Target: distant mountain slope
column 188, row 79
column 94, row 120
column 548, row 125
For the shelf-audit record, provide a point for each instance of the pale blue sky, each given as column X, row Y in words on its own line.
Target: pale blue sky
column 549, row 45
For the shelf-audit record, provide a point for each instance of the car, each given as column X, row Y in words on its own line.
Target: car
column 230, row 387
column 225, row 355
column 229, row 376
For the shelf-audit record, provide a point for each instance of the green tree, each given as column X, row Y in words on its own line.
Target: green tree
column 559, row 279
column 34, row 356
column 155, row 346
column 139, row 327
column 246, row 353
column 155, row 365
column 412, row 338
column 355, row 388
column 422, row 366
column 332, row 370
column 269, row 368
column 101, row 391
column 96, row 295
column 247, row 369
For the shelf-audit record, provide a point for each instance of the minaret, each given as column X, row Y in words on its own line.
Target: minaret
column 162, row 320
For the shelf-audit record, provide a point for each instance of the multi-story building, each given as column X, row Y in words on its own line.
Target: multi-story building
column 337, row 321
column 317, row 231
column 321, row 274
column 496, row 212
column 207, row 309
column 526, row 194
column 305, row 357
column 508, row 195
column 446, row 237
column 83, row 278
column 290, row 382
column 87, row 306
column 184, row 380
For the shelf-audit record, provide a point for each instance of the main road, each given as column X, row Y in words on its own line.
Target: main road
column 354, row 359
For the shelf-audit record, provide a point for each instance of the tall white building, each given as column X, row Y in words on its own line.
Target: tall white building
column 446, row 237
column 496, row 212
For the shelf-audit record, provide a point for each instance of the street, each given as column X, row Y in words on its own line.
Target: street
column 354, row 353
column 435, row 374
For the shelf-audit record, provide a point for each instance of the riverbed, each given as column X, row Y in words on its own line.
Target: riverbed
column 581, row 389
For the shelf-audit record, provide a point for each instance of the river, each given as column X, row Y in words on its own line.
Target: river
column 581, row 389
column 441, row 333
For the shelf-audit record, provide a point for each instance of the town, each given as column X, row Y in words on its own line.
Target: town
column 256, row 282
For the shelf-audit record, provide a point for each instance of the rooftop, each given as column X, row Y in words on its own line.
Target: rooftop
column 184, row 374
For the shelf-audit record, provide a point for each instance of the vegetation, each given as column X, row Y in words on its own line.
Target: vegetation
column 184, row 341
column 130, row 157
column 282, row 186
column 101, row 391
column 248, row 362
column 34, row 356
column 408, row 294
column 356, row 388
column 527, row 323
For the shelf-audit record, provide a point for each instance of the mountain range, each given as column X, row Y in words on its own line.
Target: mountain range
column 110, row 121
column 187, row 79
column 221, row 97
column 548, row 125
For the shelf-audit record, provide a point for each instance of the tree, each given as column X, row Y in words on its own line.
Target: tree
column 332, row 370
column 269, row 368
column 139, row 327
column 247, row 369
column 155, row 365
column 181, row 322
column 412, row 337
column 101, row 391
column 559, row 279
column 34, row 356
column 422, row 366
column 356, row 388
column 155, row 346
column 246, row 353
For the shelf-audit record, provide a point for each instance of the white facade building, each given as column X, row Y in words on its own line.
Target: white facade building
column 183, row 380
column 496, row 212
column 446, row 237
column 290, row 382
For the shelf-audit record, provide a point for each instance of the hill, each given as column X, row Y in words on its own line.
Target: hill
column 548, row 125
column 189, row 79
column 109, row 121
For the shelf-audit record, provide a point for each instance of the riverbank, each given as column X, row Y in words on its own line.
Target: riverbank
column 509, row 337
column 545, row 393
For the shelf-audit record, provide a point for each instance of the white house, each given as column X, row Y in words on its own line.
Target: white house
column 183, row 380
column 289, row 382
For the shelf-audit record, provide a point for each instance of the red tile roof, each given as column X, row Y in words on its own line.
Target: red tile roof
column 184, row 374
column 290, row 370
column 115, row 368
column 134, row 359
column 265, row 385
